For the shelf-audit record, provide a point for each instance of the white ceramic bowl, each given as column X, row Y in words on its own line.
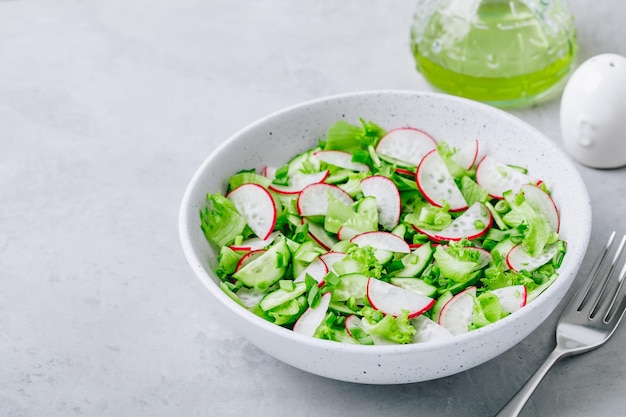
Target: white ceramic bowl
column 275, row 138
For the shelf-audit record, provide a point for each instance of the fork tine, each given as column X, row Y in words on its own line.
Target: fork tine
column 581, row 296
column 619, row 291
column 606, row 278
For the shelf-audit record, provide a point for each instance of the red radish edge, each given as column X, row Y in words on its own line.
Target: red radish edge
column 387, row 197
column 426, row 193
column 269, row 172
column 310, row 189
column 263, row 234
column 319, row 235
column 316, row 269
column 255, row 243
column 297, row 188
column 423, row 135
column 507, row 300
column 346, row 233
column 379, row 294
column 329, row 258
column 472, row 159
column 481, row 181
column 407, row 172
column 445, row 310
column 544, row 200
column 246, row 258
column 352, row 321
column 438, row 236
column 310, row 320
column 367, row 238
column 516, row 266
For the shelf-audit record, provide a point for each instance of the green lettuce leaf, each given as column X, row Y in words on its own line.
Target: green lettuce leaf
column 220, row 221
column 396, row 329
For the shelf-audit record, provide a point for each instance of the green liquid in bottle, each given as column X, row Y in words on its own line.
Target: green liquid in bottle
column 500, row 52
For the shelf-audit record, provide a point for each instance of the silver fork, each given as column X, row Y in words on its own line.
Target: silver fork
column 586, row 323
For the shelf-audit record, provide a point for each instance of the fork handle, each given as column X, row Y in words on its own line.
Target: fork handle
column 515, row 404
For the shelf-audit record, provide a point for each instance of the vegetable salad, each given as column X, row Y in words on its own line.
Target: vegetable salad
column 381, row 236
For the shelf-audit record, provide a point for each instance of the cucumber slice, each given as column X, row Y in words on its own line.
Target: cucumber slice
column 300, row 163
column 364, row 220
column 503, row 247
column 266, row 269
column 281, row 296
column 415, row 262
column 351, row 285
column 441, row 301
column 416, row 285
column 472, row 280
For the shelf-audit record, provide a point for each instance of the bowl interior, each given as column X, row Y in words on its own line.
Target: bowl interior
column 274, row 139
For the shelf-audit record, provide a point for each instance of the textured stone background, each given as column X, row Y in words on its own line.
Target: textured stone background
column 106, row 110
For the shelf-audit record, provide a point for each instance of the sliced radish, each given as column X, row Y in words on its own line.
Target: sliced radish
column 541, row 202
column 341, row 159
column 387, row 199
column 298, row 182
column 404, row 171
column 456, row 315
column 316, row 269
column 330, row 258
column 352, row 322
column 496, row 177
column 249, row 257
column 437, row 184
column 464, row 226
column 347, row 233
column 466, row 156
column 407, row 145
column 511, row 298
column 428, row 330
column 256, row 206
column 249, row 296
column 310, row 320
column 383, row 241
column 518, row 259
column 313, row 200
column 269, row 172
column 255, row 243
column 393, row 300
column 320, row 235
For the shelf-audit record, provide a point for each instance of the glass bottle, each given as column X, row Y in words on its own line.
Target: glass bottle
column 508, row 53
